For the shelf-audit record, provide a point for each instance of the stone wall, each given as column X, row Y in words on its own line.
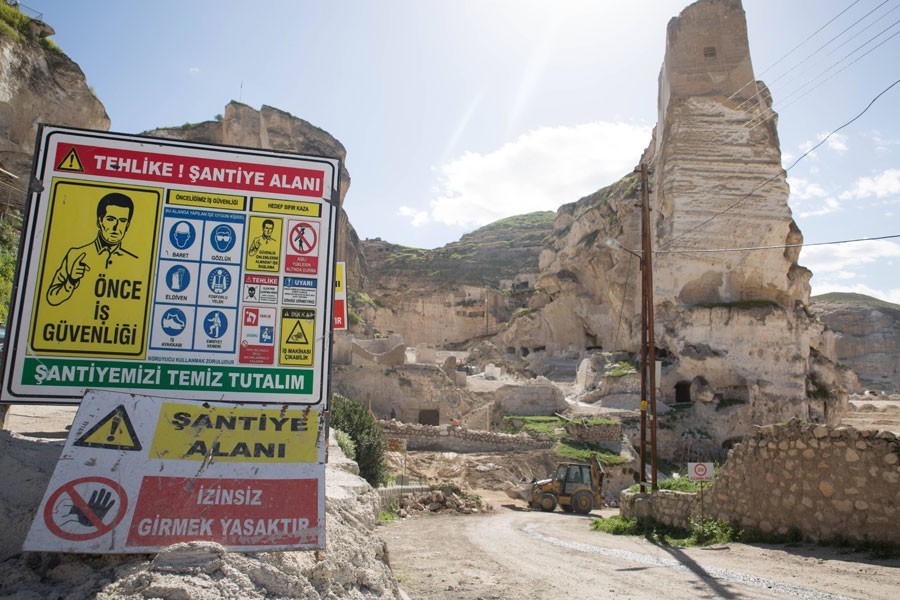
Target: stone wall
column 601, row 433
column 828, row 483
column 447, row 438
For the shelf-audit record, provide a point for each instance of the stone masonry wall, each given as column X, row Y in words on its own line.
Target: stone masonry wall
column 447, row 438
column 595, row 434
column 827, row 482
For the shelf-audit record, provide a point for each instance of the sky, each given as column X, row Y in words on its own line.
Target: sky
column 457, row 113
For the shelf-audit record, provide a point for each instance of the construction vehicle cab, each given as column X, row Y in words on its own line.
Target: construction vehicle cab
column 575, row 487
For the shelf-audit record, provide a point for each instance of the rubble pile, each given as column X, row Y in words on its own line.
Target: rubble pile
column 441, row 500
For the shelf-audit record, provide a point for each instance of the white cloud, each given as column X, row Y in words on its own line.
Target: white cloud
column 842, row 258
column 836, row 143
column 540, row 170
column 193, row 70
column 881, row 186
column 803, row 189
column 416, row 218
column 810, row 199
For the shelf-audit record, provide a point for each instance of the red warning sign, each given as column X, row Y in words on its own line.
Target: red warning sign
column 85, row 509
column 232, row 512
column 302, row 252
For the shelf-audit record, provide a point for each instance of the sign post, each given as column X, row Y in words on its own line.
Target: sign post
column 701, row 471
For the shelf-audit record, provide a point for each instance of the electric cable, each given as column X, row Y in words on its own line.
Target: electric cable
column 780, row 246
column 776, row 176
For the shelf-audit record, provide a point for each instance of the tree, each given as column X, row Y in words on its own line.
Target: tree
column 356, row 421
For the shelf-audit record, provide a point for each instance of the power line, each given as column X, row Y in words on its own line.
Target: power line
column 820, row 48
column 792, row 50
column 780, row 247
column 776, row 176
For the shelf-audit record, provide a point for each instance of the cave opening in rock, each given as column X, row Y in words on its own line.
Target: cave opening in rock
column 682, row 392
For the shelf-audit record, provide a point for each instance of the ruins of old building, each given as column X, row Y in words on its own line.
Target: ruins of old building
column 732, row 327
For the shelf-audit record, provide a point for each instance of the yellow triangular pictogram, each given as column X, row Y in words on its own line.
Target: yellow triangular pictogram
column 297, row 335
column 113, row 432
column 70, row 162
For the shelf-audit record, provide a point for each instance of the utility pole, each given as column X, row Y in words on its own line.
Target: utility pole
column 648, row 343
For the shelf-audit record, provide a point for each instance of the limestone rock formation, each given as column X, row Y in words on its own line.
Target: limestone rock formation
column 275, row 129
column 732, row 327
column 38, row 85
column 460, row 292
column 867, row 337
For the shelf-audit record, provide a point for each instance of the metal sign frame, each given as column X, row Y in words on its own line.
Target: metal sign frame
column 156, row 293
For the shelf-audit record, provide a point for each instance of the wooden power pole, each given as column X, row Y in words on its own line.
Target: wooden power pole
column 648, row 343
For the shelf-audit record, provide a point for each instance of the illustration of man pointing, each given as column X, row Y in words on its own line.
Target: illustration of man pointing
column 114, row 213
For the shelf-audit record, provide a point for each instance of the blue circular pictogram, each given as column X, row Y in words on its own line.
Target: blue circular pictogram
column 173, row 321
column 178, row 278
column 219, row 280
column 215, row 324
column 222, row 238
column 182, row 235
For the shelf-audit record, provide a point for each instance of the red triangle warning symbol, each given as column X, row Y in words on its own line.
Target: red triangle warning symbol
column 70, row 163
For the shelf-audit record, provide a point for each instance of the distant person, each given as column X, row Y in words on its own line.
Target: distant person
column 114, row 212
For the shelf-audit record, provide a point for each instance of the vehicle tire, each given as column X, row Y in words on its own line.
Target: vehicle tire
column 582, row 502
column 548, row 502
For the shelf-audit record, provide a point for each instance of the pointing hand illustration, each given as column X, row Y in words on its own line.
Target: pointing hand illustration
column 78, row 268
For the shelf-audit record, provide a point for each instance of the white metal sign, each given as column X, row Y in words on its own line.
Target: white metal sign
column 140, row 473
column 701, row 471
column 146, row 260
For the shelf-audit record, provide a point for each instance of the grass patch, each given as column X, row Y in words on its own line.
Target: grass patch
column 534, row 426
column 621, row 368
column 726, row 402
column 584, row 452
column 681, row 484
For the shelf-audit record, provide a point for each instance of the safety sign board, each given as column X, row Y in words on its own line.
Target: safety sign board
column 701, row 471
column 302, row 249
column 340, row 297
column 146, row 260
column 297, row 327
column 249, row 478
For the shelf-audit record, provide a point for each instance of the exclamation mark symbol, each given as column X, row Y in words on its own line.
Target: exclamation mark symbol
column 116, row 422
column 71, row 164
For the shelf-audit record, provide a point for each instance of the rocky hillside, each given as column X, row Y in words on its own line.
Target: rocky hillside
column 38, row 84
column 457, row 293
column 275, row 129
column 867, row 337
column 731, row 327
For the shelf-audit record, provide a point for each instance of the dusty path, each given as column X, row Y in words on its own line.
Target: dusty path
column 525, row 554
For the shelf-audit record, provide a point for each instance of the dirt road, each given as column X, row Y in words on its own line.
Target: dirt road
column 525, row 554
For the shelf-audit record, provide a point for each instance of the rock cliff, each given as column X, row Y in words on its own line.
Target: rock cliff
column 38, row 84
column 463, row 291
column 275, row 129
column 732, row 327
column 867, row 337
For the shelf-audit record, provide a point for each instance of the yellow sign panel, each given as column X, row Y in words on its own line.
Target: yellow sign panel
column 264, row 245
column 339, row 278
column 96, row 270
column 286, row 207
column 232, row 434
column 298, row 328
column 71, row 163
column 218, row 201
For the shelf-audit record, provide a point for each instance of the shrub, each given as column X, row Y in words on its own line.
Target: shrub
column 346, row 444
column 356, row 420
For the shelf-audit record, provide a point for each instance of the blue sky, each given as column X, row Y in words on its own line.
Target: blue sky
column 455, row 114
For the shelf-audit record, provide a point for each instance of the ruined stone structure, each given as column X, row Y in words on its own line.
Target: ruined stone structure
column 454, row 439
column 828, row 483
column 732, row 327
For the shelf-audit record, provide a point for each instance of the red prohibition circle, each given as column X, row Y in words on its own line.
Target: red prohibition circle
column 77, row 500
column 700, row 469
column 308, row 236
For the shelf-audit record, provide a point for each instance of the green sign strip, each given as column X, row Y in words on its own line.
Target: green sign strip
column 61, row 372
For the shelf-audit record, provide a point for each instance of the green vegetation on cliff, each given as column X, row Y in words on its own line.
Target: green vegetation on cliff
column 500, row 250
column 847, row 297
column 14, row 25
